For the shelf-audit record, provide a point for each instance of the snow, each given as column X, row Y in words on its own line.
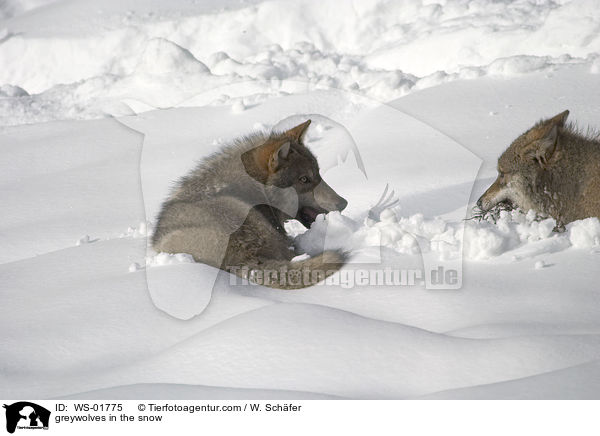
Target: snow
column 162, row 259
column 540, row 264
column 585, row 233
column 416, row 95
column 515, row 235
column 116, row 58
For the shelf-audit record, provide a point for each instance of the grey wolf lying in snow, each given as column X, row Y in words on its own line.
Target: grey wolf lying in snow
column 229, row 211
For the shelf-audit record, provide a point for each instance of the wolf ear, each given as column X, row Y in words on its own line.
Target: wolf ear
column 266, row 158
column 545, row 127
column 544, row 139
column 559, row 120
column 297, row 133
column 279, row 155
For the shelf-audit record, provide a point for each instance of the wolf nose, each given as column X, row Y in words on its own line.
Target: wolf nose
column 342, row 204
column 483, row 204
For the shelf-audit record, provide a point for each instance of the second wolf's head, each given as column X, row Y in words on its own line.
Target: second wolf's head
column 283, row 162
column 525, row 168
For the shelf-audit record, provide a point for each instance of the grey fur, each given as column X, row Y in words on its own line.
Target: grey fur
column 553, row 169
column 229, row 211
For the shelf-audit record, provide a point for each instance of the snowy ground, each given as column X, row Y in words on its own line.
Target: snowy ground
column 417, row 95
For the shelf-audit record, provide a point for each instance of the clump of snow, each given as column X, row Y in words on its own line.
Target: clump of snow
column 301, row 257
column 335, row 229
column 513, row 229
column 11, row 8
column 12, row 91
column 540, row 264
column 163, row 259
column 135, row 267
column 585, row 233
column 595, row 67
column 143, row 230
column 486, row 242
column 161, row 56
column 512, row 233
column 407, row 235
column 83, row 240
column 522, row 64
column 238, row 107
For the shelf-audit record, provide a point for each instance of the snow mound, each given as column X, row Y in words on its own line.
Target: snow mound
column 515, row 235
column 585, row 233
column 512, row 230
column 521, row 64
column 161, row 56
column 12, row 91
column 162, row 259
column 170, row 391
column 11, row 8
column 595, row 67
column 380, row 49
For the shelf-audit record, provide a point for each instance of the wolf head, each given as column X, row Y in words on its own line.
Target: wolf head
column 284, row 162
column 524, row 166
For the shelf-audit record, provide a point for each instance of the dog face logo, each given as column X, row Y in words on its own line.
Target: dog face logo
column 26, row 415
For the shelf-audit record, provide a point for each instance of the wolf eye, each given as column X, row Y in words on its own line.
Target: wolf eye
column 304, row 179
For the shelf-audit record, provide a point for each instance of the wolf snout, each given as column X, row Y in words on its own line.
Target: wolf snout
column 332, row 204
column 328, row 199
column 488, row 199
column 338, row 204
column 341, row 205
column 484, row 204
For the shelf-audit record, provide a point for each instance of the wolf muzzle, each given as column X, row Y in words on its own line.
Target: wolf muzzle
column 322, row 199
column 328, row 199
